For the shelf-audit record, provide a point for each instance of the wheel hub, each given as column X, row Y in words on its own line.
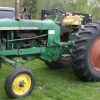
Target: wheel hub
column 21, row 84
column 95, row 55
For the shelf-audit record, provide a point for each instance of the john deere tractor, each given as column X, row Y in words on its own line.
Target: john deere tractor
column 54, row 41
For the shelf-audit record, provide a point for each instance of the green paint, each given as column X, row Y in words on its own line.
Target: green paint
column 45, row 44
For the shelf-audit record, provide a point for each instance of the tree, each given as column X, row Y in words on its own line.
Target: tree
column 31, row 6
column 95, row 9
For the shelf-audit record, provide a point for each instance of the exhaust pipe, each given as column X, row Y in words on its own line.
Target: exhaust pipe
column 17, row 4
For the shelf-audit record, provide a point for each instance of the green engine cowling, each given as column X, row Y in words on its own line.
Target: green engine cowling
column 30, row 39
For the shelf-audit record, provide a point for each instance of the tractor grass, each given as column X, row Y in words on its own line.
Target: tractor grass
column 54, row 84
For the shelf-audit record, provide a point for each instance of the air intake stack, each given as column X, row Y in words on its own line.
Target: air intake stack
column 17, row 4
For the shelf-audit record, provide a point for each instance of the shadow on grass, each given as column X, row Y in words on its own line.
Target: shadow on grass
column 41, row 69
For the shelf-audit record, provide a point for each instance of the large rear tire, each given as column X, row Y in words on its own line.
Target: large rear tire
column 85, row 53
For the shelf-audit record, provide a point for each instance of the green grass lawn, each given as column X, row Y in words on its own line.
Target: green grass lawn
column 54, row 84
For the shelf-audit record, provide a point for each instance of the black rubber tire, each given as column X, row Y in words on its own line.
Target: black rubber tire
column 64, row 64
column 59, row 64
column 10, row 78
column 81, row 51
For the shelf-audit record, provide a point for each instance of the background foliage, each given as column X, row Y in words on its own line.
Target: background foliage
column 35, row 6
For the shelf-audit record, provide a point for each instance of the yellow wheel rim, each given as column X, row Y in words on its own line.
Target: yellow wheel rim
column 21, row 84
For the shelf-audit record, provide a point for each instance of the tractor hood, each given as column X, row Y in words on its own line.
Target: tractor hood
column 23, row 24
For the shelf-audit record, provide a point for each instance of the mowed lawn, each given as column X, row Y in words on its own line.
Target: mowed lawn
column 54, row 84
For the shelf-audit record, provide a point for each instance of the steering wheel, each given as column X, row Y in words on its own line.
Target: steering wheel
column 59, row 12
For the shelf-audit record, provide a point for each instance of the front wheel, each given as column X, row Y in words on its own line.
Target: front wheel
column 19, row 83
column 85, row 53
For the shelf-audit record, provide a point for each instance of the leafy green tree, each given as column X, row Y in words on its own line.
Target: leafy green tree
column 95, row 4
column 31, row 6
column 58, row 4
column 34, row 7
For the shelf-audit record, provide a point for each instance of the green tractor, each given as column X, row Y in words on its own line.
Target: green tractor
column 55, row 42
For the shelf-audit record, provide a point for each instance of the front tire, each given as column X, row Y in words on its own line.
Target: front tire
column 85, row 53
column 19, row 83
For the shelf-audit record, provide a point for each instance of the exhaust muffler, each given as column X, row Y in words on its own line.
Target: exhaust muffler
column 17, row 6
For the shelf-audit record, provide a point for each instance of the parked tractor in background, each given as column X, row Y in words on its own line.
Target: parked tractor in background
column 50, row 41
